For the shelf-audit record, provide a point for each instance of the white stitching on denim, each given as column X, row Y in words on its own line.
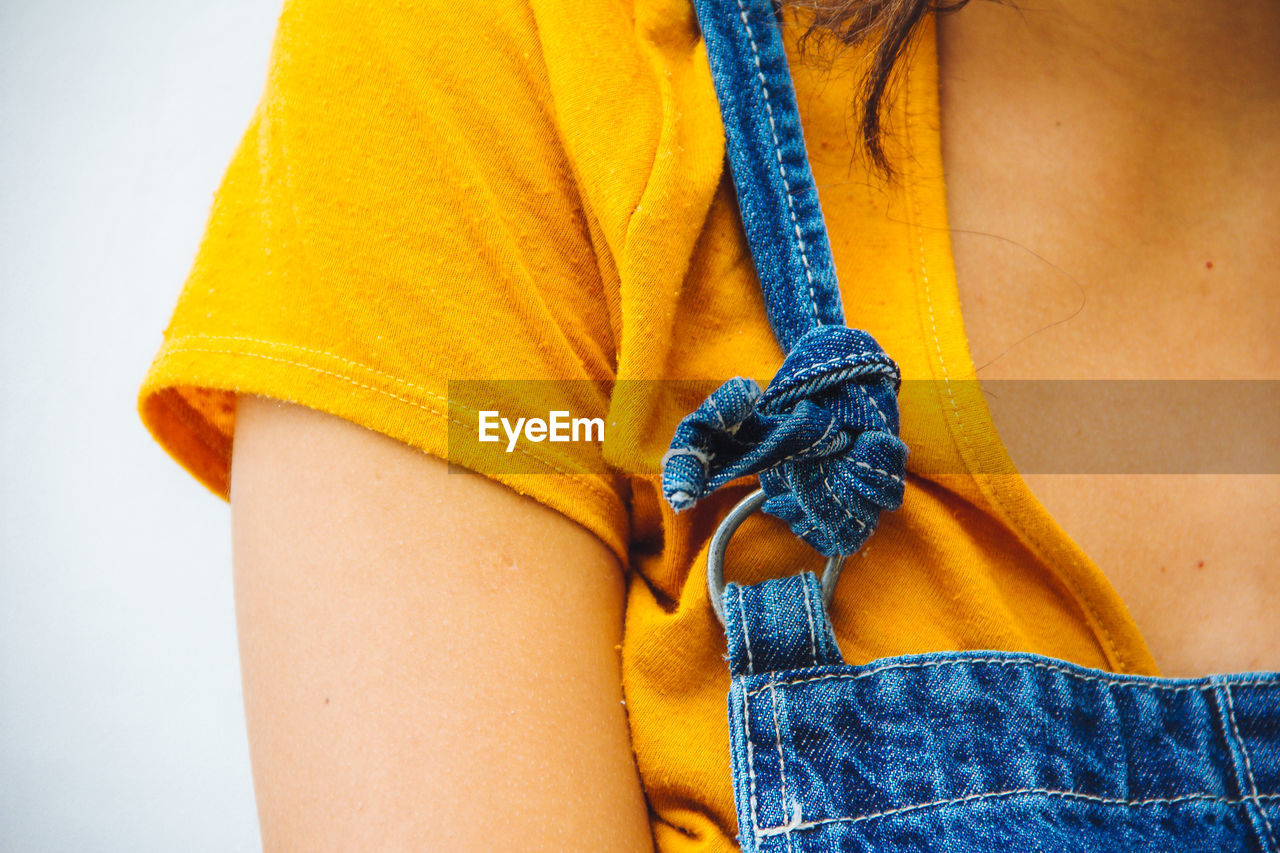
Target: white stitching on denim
column 777, row 150
column 704, row 459
column 830, row 425
column 746, row 635
column 746, row 718
column 879, row 471
column 1024, row 792
column 801, row 375
column 751, row 761
column 1182, row 688
column 719, row 414
column 813, row 634
column 884, row 422
column 1248, row 767
column 826, row 481
column 782, row 767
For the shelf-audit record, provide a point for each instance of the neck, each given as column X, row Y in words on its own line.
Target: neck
column 1133, row 145
column 1205, row 56
column 1172, row 104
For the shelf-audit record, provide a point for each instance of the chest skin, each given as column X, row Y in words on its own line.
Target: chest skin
column 1108, row 235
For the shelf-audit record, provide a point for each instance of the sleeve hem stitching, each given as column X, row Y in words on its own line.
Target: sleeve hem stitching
column 177, row 345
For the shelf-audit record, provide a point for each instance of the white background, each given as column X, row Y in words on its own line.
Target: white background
column 121, row 723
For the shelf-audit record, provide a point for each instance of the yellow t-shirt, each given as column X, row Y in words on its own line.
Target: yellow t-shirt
column 427, row 194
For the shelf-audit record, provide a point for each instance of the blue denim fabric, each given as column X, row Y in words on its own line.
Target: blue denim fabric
column 824, row 437
column 984, row 751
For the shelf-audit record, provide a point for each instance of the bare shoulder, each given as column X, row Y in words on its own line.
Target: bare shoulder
column 429, row 659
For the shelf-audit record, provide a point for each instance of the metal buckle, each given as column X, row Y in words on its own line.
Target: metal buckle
column 720, row 542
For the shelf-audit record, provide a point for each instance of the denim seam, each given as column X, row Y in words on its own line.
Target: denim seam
column 811, row 446
column 719, row 414
column 884, row 422
column 751, row 764
column 813, row 633
column 746, row 717
column 872, row 468
column 1248, row 766
column 782, row 769
column 746, row 635
column 1182, row 688
column 862, row 525
column 854, row 370
column 777, row 150
column 831, row 493
column 704, row 459
column 1023, row 792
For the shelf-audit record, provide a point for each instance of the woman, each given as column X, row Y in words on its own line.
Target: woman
column 433, row 661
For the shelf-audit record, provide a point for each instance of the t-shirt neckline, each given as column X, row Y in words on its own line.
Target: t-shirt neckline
column 957, row 391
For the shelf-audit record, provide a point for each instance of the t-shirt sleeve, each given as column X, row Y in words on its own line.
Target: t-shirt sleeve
column 399, row 214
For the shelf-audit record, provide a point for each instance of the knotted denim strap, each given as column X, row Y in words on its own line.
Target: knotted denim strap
column 824, row 437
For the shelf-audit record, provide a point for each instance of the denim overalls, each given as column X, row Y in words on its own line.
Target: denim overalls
column 954, row 751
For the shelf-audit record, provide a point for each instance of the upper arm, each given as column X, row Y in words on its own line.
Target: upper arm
column 430, row 660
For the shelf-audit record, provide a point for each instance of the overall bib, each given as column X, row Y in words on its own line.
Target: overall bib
column 965, row 752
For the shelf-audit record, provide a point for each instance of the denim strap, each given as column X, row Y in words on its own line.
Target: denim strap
column 824, row 437
column 771, row 174
column 778, row 625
